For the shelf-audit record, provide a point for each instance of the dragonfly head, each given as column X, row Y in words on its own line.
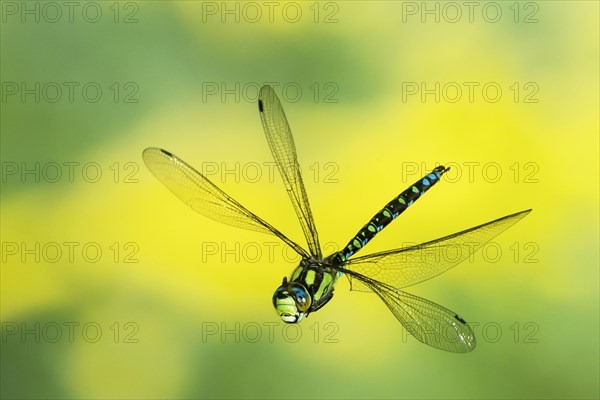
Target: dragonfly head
column 291, row 300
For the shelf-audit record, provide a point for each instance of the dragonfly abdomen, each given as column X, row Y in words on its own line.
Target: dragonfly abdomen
column 387, row 214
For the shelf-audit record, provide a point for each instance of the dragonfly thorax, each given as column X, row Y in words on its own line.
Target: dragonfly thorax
column 309, row 288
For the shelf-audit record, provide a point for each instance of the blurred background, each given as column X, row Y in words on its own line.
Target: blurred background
column 113, row 288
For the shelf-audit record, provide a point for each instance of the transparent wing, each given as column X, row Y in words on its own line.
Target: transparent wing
column 204, row 197
column 427, row 321
column 400, row 268
column 281, row 143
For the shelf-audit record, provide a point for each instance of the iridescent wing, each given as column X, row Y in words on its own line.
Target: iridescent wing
column 204, row 197
column 428, row 322
column 281, row 143
column 400, row 268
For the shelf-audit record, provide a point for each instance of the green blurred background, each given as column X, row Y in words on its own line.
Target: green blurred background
column 179, row 306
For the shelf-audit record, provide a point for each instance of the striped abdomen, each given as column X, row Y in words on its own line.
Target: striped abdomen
column 387, row 215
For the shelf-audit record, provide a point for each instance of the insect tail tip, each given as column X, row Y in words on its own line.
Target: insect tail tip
column 443, row 169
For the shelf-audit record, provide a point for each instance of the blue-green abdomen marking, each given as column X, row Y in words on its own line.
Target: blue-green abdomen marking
column 387, row 215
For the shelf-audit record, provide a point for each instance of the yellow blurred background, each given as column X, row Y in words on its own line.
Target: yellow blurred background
column 112, row 288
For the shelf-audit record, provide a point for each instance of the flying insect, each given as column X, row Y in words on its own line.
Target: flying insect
column 311, row 284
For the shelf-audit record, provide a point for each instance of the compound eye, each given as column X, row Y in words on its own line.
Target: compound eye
column 301, row 296
column 280, row 294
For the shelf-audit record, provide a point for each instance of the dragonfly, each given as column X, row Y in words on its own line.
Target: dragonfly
column 311, row 284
